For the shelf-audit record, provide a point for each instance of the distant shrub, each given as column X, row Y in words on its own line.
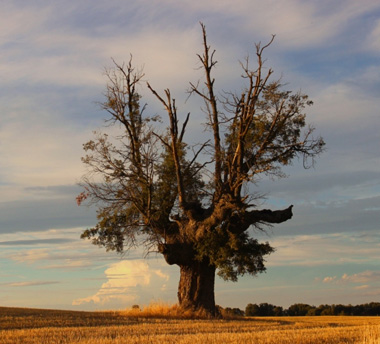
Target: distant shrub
column 231, row 312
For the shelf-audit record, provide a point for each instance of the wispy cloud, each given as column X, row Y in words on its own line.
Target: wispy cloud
column 48, row 252
column 373, row 40
column 333, row 212
column 31, row 256
column 299, row 24
column 324, row 249
column 362, row 286
column 37, row 215
column 69, row 264
column 30, row 284
column 56, row 241
column 69, row 256
column 362, row 277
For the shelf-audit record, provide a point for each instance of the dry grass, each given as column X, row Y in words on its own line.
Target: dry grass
column 164, row 324
column 162, row 310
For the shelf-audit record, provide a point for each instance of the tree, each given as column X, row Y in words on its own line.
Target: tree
column 278, row 311
column 299, row 309
column 233, row 311
column 266, row 309
column 195, row 210
column 252, row 310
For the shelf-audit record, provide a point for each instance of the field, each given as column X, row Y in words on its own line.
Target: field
column 32, row 326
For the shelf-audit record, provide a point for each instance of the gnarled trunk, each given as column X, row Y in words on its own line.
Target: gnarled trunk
column 196, row 287
column 197, row 278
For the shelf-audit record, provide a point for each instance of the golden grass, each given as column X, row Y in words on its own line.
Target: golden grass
column 165, row 310
column 166, row 324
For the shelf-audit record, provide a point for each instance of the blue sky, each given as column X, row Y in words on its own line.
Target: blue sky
column 52, row 60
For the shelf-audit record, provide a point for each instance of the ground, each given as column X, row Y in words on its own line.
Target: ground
column 32, row 326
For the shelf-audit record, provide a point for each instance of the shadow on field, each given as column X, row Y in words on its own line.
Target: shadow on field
column 26, row 318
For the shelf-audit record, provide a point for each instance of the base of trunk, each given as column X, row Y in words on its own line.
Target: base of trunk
column 196, row 287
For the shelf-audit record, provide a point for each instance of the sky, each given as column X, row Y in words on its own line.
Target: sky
column 52, row 62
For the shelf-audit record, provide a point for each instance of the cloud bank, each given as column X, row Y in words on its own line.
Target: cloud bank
column 126, row 282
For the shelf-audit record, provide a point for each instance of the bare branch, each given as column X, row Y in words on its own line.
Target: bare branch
column 175, row 140
column 208, row 63
column 184, row 127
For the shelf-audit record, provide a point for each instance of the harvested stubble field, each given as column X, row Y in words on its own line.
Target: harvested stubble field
column 32, row 326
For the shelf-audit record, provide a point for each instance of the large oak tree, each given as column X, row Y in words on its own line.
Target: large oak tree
column 195, row 204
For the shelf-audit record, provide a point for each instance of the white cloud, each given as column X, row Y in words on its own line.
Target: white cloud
column 125, row 281
column 329, row 279
column 73, row 57
column 298, row 23
column 32, row 19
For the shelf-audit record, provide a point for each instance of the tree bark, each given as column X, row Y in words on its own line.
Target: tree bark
column 196, row 287
column 197, row 278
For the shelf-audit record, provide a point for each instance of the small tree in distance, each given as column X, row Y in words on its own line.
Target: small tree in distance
column 195, row 209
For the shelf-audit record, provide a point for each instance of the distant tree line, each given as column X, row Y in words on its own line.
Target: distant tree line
column 301, row 309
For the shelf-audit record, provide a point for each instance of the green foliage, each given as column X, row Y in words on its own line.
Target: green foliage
column 273, row 137
column 233, row 254
column 301, row 309
column 116, row 228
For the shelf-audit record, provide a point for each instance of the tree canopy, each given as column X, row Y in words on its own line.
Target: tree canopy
column 195, row 203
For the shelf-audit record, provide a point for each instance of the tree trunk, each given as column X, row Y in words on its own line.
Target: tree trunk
column 196, row 287
column 197, row 278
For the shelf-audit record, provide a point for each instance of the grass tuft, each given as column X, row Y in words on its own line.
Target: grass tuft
column 163, row 310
